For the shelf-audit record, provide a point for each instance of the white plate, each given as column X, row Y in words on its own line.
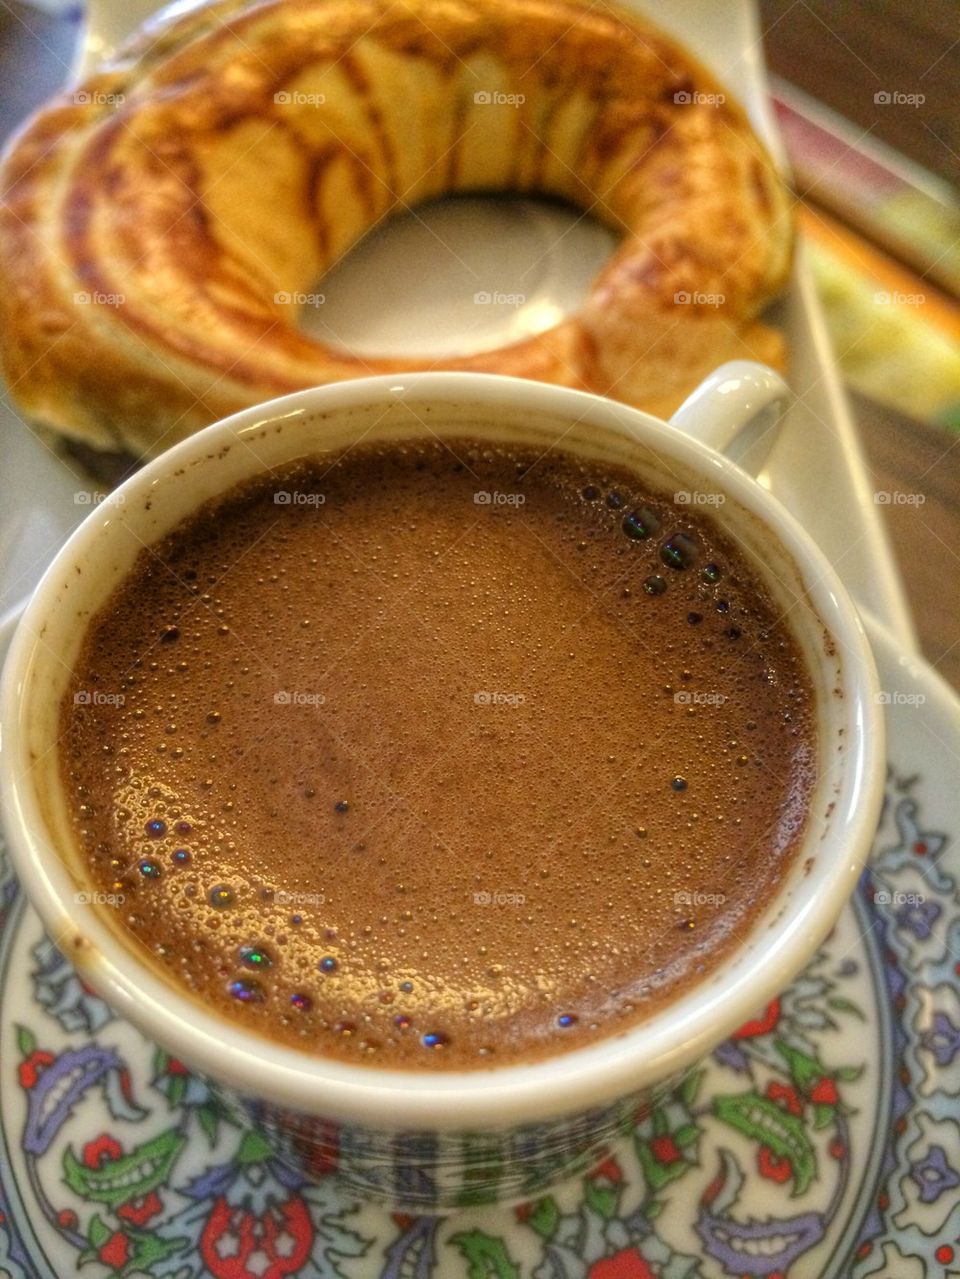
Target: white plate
column 431, row 264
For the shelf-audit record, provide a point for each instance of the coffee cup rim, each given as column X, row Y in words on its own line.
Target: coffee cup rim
column 575, row 1080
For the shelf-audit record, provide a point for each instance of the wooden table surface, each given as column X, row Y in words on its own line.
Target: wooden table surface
column 842, row 51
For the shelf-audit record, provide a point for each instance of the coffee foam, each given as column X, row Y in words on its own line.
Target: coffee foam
column 549, row 771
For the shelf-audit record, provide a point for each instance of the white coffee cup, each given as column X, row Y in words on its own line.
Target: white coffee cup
column 433, row 1140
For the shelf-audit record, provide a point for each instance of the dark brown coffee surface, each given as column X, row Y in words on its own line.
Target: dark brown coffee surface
column 437, row 755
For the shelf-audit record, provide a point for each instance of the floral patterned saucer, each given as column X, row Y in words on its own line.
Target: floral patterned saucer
column 822, row 1140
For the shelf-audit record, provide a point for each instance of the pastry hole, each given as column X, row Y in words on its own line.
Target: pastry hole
column 457, row 276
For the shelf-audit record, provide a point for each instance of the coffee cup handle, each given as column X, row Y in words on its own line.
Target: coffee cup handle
column 737, row 410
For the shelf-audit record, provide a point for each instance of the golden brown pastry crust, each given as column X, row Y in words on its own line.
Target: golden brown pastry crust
column 148, row 219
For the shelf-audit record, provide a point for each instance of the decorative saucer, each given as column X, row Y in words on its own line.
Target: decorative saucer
column 821, row 1141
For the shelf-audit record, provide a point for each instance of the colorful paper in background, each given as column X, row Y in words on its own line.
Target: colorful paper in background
column 895, row 337
column 884, row 243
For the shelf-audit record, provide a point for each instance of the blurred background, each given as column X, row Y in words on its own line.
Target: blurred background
column 865, row 95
